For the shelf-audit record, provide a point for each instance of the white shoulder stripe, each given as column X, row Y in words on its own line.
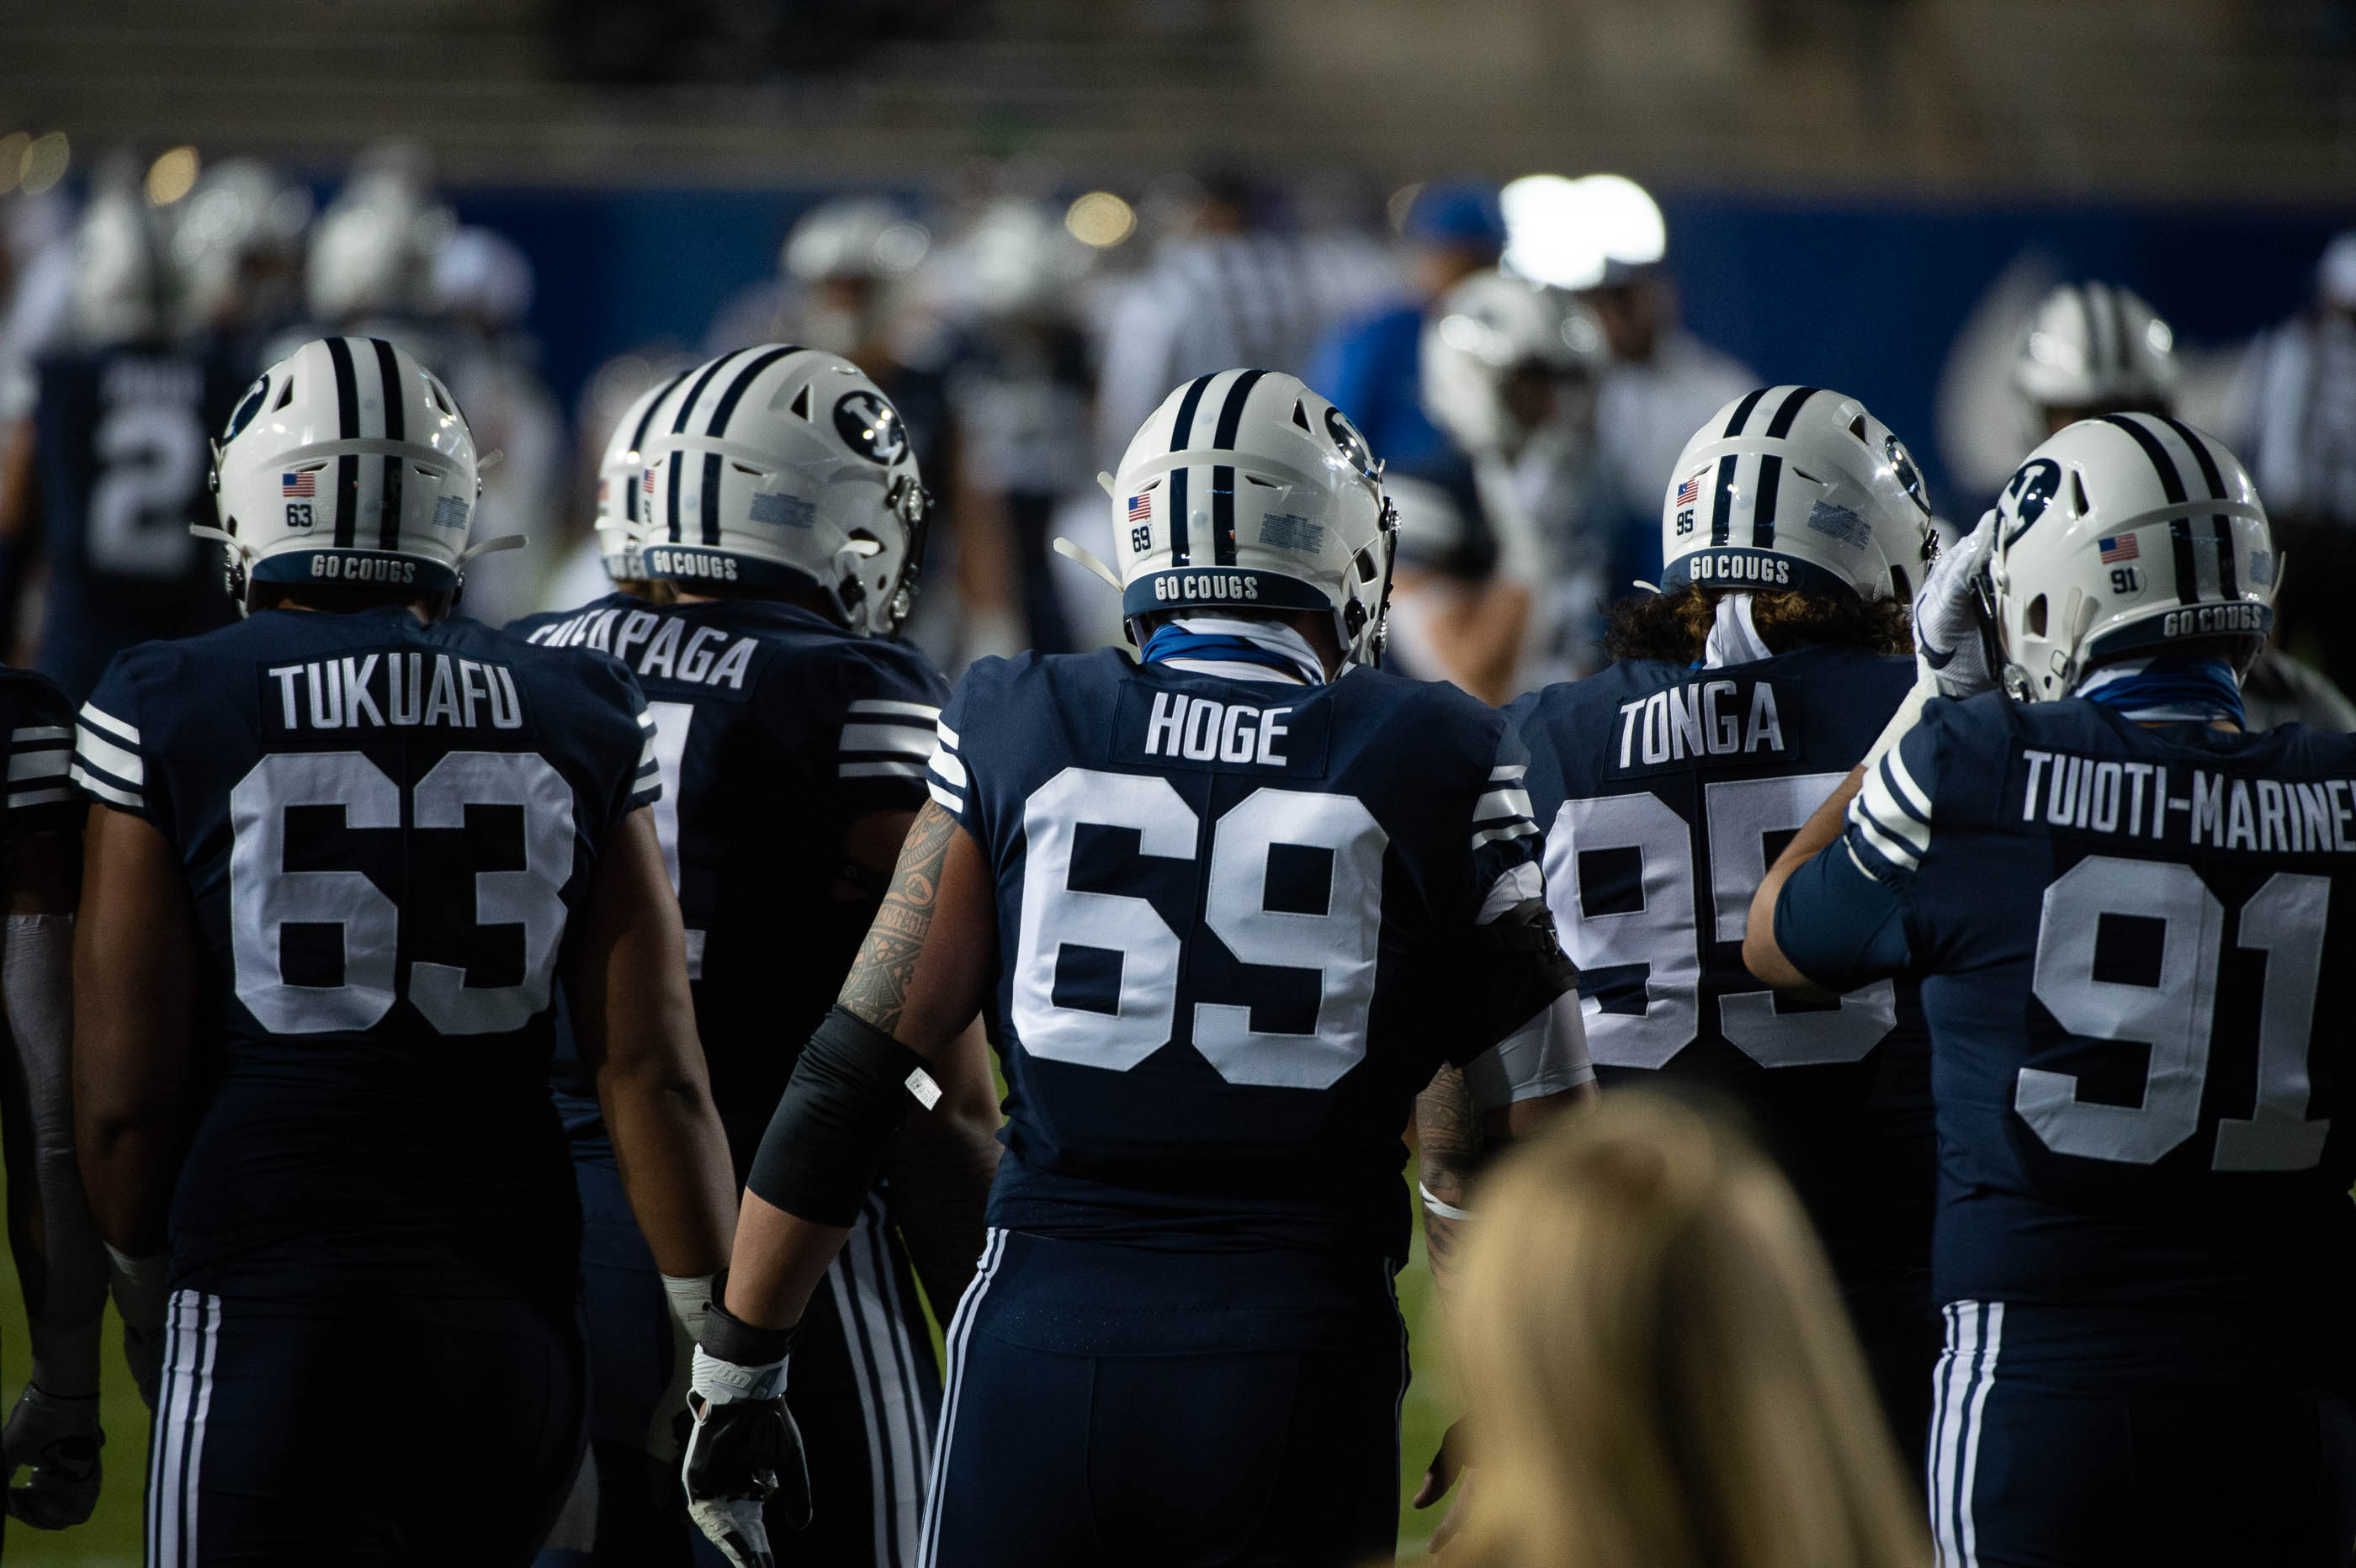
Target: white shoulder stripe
column 50, row 764
column 909, row 740
column 949, row 736
column 1897, row 852
column 881, row 770
column 18, row 799
column 1506, row 801
column 104, row 790
column 92, row 714
column 32, row 732
column 1895, row 766
column 949, row 770
column 1511, row 831
column 948, row 802
column 1875, row 802
column 904, row 709
column 105, row 755
column 1498, row 775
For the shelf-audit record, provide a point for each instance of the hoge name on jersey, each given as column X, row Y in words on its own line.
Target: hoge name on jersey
column 1202, row 731
column 392, row 690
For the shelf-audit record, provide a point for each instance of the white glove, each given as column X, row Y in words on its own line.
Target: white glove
column 1948, row 649
column 691, row 1297
column 58, row 1438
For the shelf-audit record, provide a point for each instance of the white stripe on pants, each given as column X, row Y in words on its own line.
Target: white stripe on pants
column 176, row 1448
column 1966, row 1371
column 866, row 1294
column 993, row 1247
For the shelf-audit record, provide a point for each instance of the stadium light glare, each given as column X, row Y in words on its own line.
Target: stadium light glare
column 45, row 162
column 1549, row 237
column 13, row 148
column 172, row 176
column 1100, row 219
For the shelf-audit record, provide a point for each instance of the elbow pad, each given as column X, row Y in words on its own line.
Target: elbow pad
column 849, row 1094
column 1516, row 969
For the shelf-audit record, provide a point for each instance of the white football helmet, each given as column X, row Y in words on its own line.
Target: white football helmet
column 2128, row 535
column 1247, row 490
column 621, row 490
column 778, row 466
column 2097, row 347
column 854, row 236
column 239, row 211
column 347, row 463
column 373, row 249
column 119, row 279
column 1484, row 329
column 1796, row 487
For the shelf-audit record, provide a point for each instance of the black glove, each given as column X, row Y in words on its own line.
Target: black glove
column 745, row 1447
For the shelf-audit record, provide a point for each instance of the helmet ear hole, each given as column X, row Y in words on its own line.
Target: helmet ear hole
column 1300, row 414
column 286, row 395
column 1366, row 564
column 2034, row 617
column 800, row 405
column 2078, row 495
column 1856, row 429
column 1901, row 584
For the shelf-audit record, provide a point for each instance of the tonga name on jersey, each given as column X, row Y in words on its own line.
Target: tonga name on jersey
column 121, row 437
column 386, row 828
column 1233, row 919
column 1664, row 794
column 2138, row 968
column 774, row 730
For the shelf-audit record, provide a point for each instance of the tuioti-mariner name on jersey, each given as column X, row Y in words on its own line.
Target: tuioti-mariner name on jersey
column 2136, row 800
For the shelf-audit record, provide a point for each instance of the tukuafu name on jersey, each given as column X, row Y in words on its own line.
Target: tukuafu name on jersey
column 392, row 690
column 657, row 647
column 1700, row 720
column 2136, row 800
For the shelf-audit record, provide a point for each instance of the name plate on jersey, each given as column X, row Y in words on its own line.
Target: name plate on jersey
column 390, row 688
column 1703, row 720
column 2184, row 805
column 1184, row 729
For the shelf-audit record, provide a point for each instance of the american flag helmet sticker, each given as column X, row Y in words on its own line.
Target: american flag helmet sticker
column 1689, row 492
column 2122, row 548
column 1140, row 509
column 303, row 486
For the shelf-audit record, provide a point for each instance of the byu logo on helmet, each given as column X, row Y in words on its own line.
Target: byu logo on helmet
column 872, row 426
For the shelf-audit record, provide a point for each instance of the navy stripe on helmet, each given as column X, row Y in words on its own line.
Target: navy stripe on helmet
column 726, row 406
column 710, row 497
column 1181, row 548
column 396, row 427
column 639, row 443
column 2228, row 582
column 687, row 403
column 1742, row 412
column 1722, row 519
column 1789, row 411
column 1223, row 478
column 1762, row 511
column 671, row 469
column 1184, row 426
column 348, row 427
column 2171, row 486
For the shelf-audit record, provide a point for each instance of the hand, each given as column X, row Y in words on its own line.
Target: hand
column 1438, row 1476
column 58, row 1438
column 1948, row 647
column 744, row 1448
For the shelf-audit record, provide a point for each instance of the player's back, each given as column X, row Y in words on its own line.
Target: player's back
column 121, row 439
column 1231, row 918
column 387, row 827
column 775, row 729
column 2139, row 974
column 1665, row 792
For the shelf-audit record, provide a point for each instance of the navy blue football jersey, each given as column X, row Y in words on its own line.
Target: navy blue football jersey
column 1233, row 920
column 39, row 727
column 1664, row 794
column 774, row 730
column 386, row 827
column 2137, row 968
column 121, row 439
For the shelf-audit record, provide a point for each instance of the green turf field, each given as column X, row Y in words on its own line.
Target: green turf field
column 110, row 1539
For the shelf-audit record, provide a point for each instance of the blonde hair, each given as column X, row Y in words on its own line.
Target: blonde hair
column 1658, row 1372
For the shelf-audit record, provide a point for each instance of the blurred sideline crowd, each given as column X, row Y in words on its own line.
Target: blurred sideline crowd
column 1516, row 358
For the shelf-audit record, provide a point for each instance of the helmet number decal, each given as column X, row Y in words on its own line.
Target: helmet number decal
column 872, row 426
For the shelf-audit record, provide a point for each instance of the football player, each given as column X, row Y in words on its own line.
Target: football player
column 337, row 854
column 61, row 1263
column 2123, row 907
column 1794, row 532
column 780, row 504
column 119, row 460
column 1230, row 907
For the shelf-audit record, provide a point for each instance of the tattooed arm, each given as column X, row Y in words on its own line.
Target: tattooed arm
column 921, row 976
column 1449, row 1144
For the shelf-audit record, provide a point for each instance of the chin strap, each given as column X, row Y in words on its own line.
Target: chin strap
column 1080, row 553
column 489, row 547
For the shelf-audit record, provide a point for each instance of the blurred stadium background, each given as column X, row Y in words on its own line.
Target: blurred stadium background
column 561, row 200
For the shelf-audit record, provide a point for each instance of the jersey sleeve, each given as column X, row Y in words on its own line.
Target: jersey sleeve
column 890, row 722
column 645, row 785
column 946, row 777
column 1524, row 1037
column 109, row 762
column 1842, row 917
column 40, row 759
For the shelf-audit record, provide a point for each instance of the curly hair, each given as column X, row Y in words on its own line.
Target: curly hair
column 1673, row 627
